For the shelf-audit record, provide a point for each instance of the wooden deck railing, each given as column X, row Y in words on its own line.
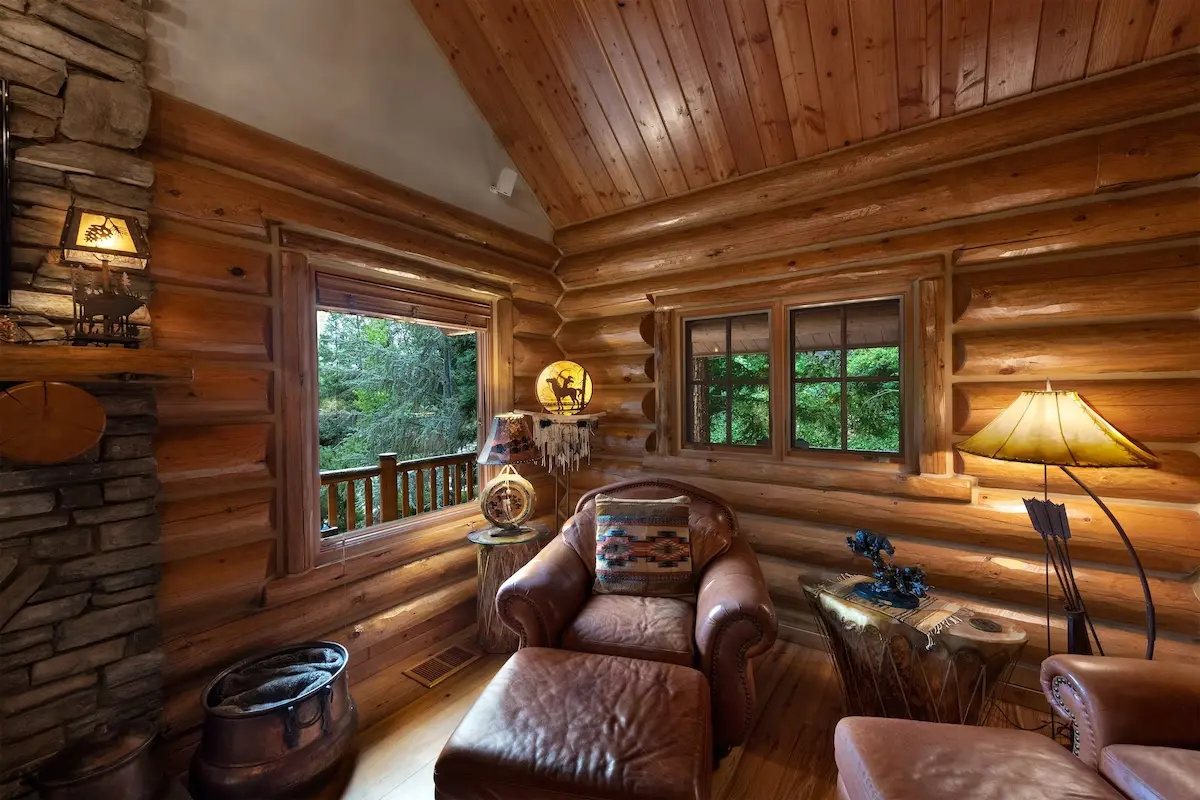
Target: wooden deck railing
column 360, row 497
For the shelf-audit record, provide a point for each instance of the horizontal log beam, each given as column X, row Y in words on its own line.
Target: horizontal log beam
column 1125, row 218
column 890, row 483
column 1161, row 280
column 280, row 625
column 1110, row 99
column 1176, row 480
column 207, row 197
column 186, row 259
column 191, row 130
column 538, row 319
column 630, row 368
column 1152, row 346
column 202, row 525
column 92, row 365
column 324, row 250
column 1051, row 173
column 1149, row 410
column 629, row 332
column 1113, row 596
column 835, row 282
column 531, row 354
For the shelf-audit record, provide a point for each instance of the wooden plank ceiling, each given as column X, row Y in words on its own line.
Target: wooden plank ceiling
column 608, row 104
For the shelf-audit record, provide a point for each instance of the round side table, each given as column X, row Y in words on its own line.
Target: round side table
column 500, row 555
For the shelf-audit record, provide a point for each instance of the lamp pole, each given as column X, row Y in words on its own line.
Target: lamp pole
column 1151, row 625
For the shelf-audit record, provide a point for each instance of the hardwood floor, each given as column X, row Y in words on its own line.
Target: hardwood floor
column 789, row 753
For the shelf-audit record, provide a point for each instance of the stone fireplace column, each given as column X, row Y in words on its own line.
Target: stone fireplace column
column 79, row 550
column 78, row 541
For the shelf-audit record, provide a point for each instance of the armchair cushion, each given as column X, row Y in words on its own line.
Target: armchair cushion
column 1152, row 773
column 643, row 547
column 650, row 628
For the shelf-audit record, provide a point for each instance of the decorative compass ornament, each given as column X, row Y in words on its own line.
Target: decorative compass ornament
column 507, row 501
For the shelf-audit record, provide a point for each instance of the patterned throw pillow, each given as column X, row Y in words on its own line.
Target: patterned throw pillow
column 643, row 547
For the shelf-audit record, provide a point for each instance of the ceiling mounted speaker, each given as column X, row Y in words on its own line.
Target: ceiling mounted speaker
column 506, row 182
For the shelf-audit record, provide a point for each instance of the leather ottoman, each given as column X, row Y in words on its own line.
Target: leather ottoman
column 896, row 759
column 559, row 724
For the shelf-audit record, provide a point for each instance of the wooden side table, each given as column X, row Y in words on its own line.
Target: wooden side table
column 500, row 556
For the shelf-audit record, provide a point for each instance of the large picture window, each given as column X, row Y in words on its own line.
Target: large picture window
column 397, row 390
column 846, row 377
column 729, row 380
column 398, row 404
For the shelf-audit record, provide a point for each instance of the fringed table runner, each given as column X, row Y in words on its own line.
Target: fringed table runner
column 930, row 617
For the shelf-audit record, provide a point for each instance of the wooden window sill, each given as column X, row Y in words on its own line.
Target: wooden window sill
column 396, row 543
column 864, row 479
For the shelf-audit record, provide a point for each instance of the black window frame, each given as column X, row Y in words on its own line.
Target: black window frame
column 728, row 383
column 844, row 380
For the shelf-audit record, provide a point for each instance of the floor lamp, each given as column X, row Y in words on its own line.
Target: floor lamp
column 1056, row 428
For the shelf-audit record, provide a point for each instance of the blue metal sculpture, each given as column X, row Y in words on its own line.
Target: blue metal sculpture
column 900, row 587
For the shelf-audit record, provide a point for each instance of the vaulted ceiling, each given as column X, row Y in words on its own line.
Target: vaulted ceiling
column 608, row 104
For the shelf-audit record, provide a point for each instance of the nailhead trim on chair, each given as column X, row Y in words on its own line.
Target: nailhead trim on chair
column 1059, row 682
column 510, row 620
column 720, row 638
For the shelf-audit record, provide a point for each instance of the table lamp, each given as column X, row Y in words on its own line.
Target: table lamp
column 507, row 501
column 1058, row 428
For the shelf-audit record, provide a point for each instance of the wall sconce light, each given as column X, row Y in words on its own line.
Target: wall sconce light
column 108, row 241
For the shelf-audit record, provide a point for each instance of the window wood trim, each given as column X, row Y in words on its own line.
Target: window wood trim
column 306, row 288
column 924, row 408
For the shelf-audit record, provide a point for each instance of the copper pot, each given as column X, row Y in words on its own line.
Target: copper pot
column 116, row 765
column 278, row 750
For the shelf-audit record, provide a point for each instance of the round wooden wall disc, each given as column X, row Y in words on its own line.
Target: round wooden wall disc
column 48, row 423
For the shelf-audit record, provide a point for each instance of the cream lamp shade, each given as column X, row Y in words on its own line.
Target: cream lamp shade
column 1056, row 428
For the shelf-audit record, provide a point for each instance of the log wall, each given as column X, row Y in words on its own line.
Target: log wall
column 217, row 253
column 1096, row 289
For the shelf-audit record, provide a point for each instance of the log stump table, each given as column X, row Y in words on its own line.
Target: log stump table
column 501, row 553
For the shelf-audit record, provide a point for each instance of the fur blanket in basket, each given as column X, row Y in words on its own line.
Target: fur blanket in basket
column 278, row 678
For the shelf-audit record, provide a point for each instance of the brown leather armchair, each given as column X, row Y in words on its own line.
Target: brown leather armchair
column 1136, row 722
column 549, row 603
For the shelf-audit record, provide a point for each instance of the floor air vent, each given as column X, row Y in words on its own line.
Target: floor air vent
column 437, row 668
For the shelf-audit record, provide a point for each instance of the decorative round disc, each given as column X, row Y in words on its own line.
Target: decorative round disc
column 564, row 388
column 48, row 423
column 507, row 500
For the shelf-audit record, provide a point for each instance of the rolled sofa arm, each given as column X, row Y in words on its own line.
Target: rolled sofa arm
column 735, row 621
column 540, row 599
column 1124, row 701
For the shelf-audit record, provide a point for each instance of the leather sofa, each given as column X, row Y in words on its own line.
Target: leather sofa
column 1136, row 722
column 549, row 603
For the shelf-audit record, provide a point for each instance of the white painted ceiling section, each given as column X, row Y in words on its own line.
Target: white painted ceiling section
column 359, row 80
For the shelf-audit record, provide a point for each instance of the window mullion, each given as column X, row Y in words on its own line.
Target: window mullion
column 728, row 380
column 845, row 384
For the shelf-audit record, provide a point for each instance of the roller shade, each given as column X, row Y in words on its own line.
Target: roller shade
column 338, row 293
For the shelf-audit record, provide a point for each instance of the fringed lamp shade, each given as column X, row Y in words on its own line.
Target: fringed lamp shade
column 1059, row 429
column 510, row 441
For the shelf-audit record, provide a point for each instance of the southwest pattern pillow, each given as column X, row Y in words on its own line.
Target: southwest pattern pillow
column 643, row 547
